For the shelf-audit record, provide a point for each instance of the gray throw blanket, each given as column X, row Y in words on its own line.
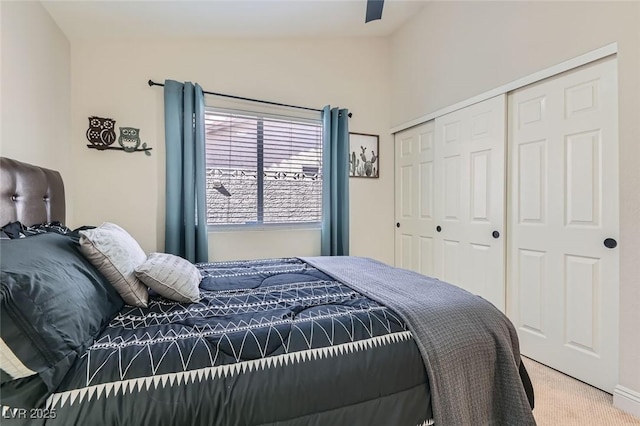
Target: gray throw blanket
column 470, row 349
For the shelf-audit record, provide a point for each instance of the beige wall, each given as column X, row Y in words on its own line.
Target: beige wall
column 109, row 79
column 452, row 51
column 35, row 113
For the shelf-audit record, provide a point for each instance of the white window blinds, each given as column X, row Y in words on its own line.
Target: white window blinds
column 262, row 169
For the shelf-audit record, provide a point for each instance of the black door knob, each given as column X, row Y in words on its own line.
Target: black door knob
column 438, row 228
column 610, row 243
column 398, row 225
column 495, row 234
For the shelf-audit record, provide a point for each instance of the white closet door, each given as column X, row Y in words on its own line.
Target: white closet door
column 414, row 199
column 469, row 243
column 563, row 280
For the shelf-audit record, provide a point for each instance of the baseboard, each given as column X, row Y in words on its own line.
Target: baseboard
column 627, row 400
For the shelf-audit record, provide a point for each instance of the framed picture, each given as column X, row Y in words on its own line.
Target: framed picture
column 364, row 160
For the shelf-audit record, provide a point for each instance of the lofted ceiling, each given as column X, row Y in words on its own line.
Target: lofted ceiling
column 157, row 19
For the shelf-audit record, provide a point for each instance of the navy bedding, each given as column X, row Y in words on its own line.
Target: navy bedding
column 271, row 342
column 53, row 303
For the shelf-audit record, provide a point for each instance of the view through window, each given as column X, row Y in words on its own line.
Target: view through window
column 262, row 170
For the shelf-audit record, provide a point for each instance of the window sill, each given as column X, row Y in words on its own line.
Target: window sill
column 264, row 228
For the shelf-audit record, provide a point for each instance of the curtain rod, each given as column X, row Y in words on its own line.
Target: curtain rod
column 153, row 83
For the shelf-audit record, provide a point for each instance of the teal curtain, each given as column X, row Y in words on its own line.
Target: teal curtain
column 186, row 218
column 335, row 182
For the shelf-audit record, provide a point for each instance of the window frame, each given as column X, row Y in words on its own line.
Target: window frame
column 260, row 225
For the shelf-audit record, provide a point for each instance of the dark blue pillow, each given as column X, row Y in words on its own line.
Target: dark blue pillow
column 53, row 303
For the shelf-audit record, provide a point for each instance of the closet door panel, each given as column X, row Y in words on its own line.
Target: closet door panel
column 469, row 191
column 414, row 198
column 563, row 146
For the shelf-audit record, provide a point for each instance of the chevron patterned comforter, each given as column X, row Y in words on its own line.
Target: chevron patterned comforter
column 271, row 342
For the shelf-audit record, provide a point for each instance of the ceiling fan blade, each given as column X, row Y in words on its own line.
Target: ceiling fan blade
column 374, row 10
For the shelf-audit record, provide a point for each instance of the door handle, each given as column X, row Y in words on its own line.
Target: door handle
column 398, row 225
column 495, row 234
column 438, row 228
column 610, row 243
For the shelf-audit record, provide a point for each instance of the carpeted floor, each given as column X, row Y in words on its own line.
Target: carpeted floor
column 564, row 401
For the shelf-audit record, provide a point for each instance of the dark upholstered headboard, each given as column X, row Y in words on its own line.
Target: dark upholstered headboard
column 30, row 194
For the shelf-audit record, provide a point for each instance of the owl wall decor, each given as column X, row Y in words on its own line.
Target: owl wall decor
column 101, row 135
column 101, row 132
column 129, row 138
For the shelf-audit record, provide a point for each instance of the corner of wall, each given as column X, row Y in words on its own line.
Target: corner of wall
column 36, row 88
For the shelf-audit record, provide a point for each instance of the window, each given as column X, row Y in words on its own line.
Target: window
column 262, row 170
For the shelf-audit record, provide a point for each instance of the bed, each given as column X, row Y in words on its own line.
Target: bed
column 297, row 341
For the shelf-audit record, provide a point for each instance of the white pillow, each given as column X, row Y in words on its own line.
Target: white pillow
column 171, row 276
column 116, row 255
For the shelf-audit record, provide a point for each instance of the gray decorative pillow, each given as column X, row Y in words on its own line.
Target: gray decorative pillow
column 116, row 255
column 171, row 276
